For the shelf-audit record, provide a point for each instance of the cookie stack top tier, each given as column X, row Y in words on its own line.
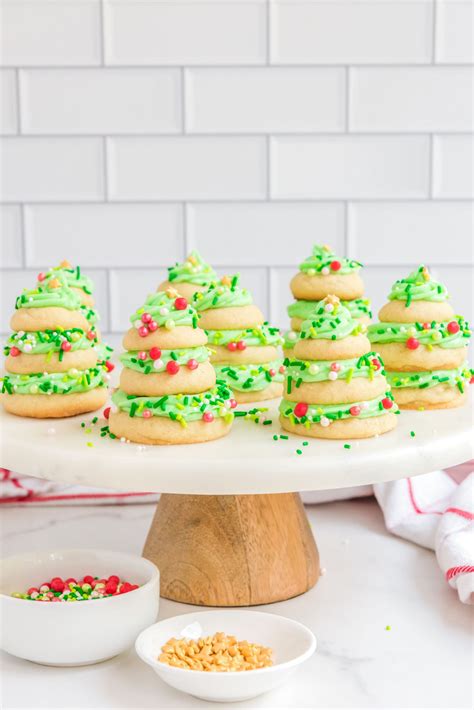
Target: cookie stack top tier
column 319, row 275
column 244, row 347
column 335, row 385
column 168, row 391
column 53, row 351
column 194, row 274
column 423, row 342
column 73, row 277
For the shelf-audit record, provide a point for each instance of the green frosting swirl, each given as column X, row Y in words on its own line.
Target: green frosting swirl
column 194, row 271
column 298, row 371
column 358, row 308
column 421, row 380
column 49, row 341
column 70, row 277
column 182, row 357
column 91, row 315
column 162, row 309
column 250, row 378
column 222, row 295
column 182, row 408
column 436, row 334
column 72, row 382
column 321, row 258
column 418, row 286
column 261, row 335
column 328, row 413
column 330, row 321
column 44, row 297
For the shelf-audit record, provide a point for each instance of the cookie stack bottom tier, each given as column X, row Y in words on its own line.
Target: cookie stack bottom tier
column 168, row 391
column 423, row 344
column 335, row 386
column 194, row 274
column 245, row 349
column 52, row 364
column 321, row 274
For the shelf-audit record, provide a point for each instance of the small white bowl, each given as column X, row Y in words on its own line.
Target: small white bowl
column 69, row 634
column 291, row 642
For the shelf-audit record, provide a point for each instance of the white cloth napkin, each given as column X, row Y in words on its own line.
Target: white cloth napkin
column 435, row 510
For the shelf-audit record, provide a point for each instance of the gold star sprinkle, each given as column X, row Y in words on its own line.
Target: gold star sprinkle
column 171, row 292
column 192, row 260
column 326, row 247
column 333, row 300
column 226, row 281
column 54, row 283
column 426, row 274
column 65, row 264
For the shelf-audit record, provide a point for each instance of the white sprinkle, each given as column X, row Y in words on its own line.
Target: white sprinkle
column 20, row 333
column 158, row 364
column 138, row 324
column 164, row 311
column 332, row 375
column 123, row 439
column 329, row 307
column 292, row 335
column 27, row 347
column 322, row 571
column 313, row 368
column 51, row 431
column 325, row 421
column 325, row 271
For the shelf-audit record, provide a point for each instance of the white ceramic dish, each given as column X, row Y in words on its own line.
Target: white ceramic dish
column 291, row 642
column 70, row 634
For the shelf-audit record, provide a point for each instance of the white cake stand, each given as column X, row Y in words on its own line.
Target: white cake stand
column 231, row 529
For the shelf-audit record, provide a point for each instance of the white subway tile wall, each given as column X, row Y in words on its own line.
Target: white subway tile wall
column 135, row 130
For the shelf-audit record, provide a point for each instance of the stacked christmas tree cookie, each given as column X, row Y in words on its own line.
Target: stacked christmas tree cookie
column 321, row 274
column 168, row 391
column 423, row 344
column 335, row 386
column 244, row 348
column 52, row 364
column 192, row 275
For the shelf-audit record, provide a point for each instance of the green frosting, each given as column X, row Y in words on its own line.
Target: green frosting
column 322, row 258
column 298, row 371
column 290, row 339
column 223, row 294
column 250, row 378
column 147, row 366
column 260, row 335
column 89, row 314
column 70, row 277
column 327, row 413
column 436, row 334
column 163, row 311
column 72, row 382
column 330, row 321
column 358, row 308
column 104, row 351
column 45, row 297
column 182, row 408
column 49, row 341
column 194, row 270
column 421, row 380
column 418, row 286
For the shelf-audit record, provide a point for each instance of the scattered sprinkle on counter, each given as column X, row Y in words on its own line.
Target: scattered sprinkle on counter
column 412, row 433
column 347, row 446
column 388, row 628
column 77, row 590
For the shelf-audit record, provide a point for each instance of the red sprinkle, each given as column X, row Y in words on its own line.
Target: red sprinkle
column 241, row 345
column 71, row 580
column 282, row 369
column 66, row 346
column 376, row 363
column 208, row 417
column 146, row 318
column 57, row 584
column 453, row 327
column 335, row 265
column 172, row 367
column 143, row 331
column 114, row 578
column 426, row 326
column 147, row 413
column 233, row 403
column 412, row 343
column 88, row 579
column 41, row 276
column 180, row 304
column 272, row 372
column 355, row 410
column 111, row 587
column 301, row 409
column 31, row 590
column 14, row 352
column 155, row 353
column 387, row 403
column 153, row 325
column 471, row 381
column 107, row 412
column 232, row 347
column 109, row 366
column 192, row 364
column 141, row 355
column 90, row 335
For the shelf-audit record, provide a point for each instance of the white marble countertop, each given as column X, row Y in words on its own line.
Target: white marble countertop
column 372, row 580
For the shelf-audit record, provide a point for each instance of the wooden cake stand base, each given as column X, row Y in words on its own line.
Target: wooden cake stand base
column 232, row 550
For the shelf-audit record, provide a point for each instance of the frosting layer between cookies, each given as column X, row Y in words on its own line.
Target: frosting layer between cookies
column 260, row 335
column 358, row 308
column 250, row 378
column 142, row 362
column 429, row 334
column 298, row 371
column 458, row 377
column 71, row 382
column 46, row 341
column 179, row 407
column 324, row 414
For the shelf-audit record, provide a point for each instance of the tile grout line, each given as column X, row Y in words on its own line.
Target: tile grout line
column 434, row 29
column 230, row 201
column 185, row 241
column 268, row 32
column 102, row 32
column 431, row 175
column 105, row 171
column 18, row 102
column 183, row 95
column 23, row 234
column 347, row 115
